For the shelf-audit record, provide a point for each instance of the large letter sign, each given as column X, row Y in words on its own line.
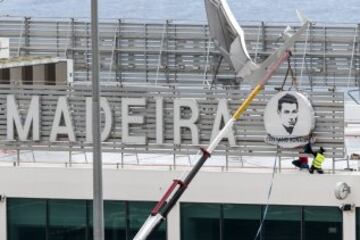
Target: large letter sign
column 62, row 109
column 13, row 118
column 289, row 119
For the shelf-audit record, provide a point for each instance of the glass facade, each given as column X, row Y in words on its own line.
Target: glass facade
column 240, row 220
column 66, row 220
column 114, row 220
column 282, row 222
column 42, row 219
column 26, row 219
column 52, row 219
column 201, row 221
column 357, row 223
column 322, row 223
column 232, row 221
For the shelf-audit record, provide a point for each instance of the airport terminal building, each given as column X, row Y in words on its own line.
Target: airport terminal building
column 166, row 92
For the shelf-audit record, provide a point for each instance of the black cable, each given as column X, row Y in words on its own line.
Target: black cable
column 293, row 78
column 286, row 75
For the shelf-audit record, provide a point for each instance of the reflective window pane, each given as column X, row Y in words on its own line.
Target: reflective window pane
column 138, row 213
column 240, row 220
column 282, row 222
column 114, row 220
column 200, row 221
column 358, row 223
column 33, row 219
column 67, row 220
column 26, row 219
column 323, row 223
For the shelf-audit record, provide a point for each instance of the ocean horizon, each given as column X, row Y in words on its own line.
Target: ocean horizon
column 329, row 11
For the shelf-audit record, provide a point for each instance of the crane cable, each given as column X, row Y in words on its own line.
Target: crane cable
column 290, row 71
column 293, row 84
column 305, row 51
column 268, row 199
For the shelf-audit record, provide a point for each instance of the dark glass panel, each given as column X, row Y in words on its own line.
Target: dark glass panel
column 200, row 221
column 358, row 223
column 114, row 219
column 67, row 220
column 5, row 76
column 322, row 223
column 27, row 72
column 282, row 222
column 26, row 219
column 241, row 220
column 50, row 74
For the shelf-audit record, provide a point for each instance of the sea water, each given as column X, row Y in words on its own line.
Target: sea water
column 332, row 11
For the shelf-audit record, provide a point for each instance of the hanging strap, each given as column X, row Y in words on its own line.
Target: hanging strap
column 293, row 78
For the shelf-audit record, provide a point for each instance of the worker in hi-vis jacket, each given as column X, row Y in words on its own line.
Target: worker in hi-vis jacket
column 319, row 158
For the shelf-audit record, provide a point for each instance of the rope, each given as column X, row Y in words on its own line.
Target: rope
column 20, row 37
column 117, row 30
column 352, row 58
column 257, row 44
column 207, row 65
column 293, row 78
column 160, row 53
column 304, row 54
column 216, row 72
column 67, row 43
column 268, row 199
column 349, row 92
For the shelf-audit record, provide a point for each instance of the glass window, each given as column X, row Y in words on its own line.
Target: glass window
column 114, row 219
column 357, row 223
column 200, row 221
column 27, row 74
column 322, row 223
column 67, row 220
column 50, row 74
column 282, row 222
column 5, row 76
column 138, row 213
column 26, row 219
column 35, row 219
column 240, row 220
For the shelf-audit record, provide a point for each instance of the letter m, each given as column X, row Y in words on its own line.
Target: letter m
column 32, row 117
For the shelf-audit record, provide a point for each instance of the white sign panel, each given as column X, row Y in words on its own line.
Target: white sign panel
column 57, row 118
column 289, row 119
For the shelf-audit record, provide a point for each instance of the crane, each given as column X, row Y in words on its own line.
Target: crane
column 229, row 38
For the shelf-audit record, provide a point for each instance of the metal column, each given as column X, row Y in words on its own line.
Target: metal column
column 98, row 205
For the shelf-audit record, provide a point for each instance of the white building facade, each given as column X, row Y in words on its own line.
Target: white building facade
column 218, row 205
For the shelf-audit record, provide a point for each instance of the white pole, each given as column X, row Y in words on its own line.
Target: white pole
column 98, row 204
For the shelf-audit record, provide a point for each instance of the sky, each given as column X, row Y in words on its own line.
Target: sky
column 332, row 11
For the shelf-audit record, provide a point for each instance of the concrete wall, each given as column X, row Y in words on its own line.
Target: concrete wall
column 217, row 187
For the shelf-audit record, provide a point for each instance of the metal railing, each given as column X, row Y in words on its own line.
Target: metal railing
column 176, row 54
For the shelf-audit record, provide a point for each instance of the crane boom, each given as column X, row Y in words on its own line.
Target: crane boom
column 232, row 46
column 163, row 207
